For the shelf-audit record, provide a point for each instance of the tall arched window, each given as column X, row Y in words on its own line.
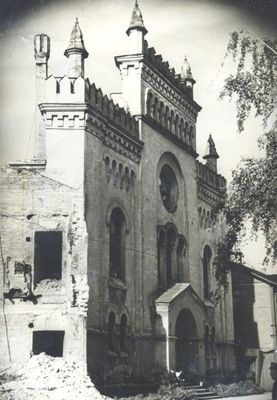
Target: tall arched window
column 111, row 323
column 117, row 244
column 123, row 326
column 170, row 257
column 207, row 256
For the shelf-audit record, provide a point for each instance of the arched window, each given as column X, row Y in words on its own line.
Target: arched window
column 170, row 258
column 155, row 109
column 161, row 114
column 123, row 326
column 166, row 117
column 176, row 125
column 148, row 103
column 111, row 324
column 207, row 256
column 182, row 128
column 182, row 273
column 161, row 257
column 117, row 244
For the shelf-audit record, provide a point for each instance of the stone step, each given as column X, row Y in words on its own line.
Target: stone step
column 209, row 397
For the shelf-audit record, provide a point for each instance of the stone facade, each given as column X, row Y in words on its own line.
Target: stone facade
column 134, row 208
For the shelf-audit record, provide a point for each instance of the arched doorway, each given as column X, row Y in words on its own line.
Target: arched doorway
column 186, row 343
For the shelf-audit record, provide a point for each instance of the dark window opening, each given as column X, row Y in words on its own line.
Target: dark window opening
column 123, row 326
column 49, row 342
column 111, row 324
column 117, row 244
column 48, row 255
column 168, row 264
column 207, row 256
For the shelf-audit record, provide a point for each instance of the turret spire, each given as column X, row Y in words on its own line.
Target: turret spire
column 76, row 52
column 136, row 31
column 186, row 76
column 211, row 154
column 136, row 21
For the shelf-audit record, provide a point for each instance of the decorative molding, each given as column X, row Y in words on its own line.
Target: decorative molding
column 113, row 137
column 121, row 176
column 170, row 93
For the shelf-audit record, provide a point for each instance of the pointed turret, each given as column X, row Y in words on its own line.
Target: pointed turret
column 76, row 52
column 186, row 76
column 211, row 155
column 136, row 31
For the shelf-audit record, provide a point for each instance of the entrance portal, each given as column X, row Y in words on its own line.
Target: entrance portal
column 186, row 343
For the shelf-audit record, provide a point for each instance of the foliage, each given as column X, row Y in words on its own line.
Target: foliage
column 253, row 189
column 254, row 82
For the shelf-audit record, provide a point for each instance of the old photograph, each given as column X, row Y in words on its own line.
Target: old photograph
column 138, row 236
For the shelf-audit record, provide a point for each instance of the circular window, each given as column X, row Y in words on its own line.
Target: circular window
column 168, row 188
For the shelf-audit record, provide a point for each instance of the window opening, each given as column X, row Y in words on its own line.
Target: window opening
column 117, row 244
column 48, row 255
column 111, row 324
column 123, row 326
column 48, row 342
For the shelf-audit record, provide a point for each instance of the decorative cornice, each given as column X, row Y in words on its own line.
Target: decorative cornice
column 165, row 88
column 209, row 195
column 113, row 136
column 64, row 115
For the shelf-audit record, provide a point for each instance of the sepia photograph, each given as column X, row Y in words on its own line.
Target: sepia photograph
column 138, row 199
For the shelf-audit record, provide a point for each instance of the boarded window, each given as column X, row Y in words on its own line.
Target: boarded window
column 49, row 342
column 48, row 255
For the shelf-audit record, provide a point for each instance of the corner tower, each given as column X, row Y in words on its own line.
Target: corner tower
column 130, row 65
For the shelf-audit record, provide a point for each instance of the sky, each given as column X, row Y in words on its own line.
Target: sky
column 198, row 29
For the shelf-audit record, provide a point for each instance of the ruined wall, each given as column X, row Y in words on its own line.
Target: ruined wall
column 33, row 203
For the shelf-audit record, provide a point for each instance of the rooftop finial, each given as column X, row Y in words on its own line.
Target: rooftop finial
column 76, row 42
column 211, row 154
column 186, row 73
column 136, row 20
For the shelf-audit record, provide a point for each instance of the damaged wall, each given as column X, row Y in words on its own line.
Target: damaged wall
column 32, row 206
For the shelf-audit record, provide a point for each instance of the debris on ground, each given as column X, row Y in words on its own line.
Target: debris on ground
column 48, row 378
column 176, row 391
column 166, row 392
column 238, row 389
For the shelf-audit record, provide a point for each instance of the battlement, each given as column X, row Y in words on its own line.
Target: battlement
column 163, row 66
column 79, row 90
column 65, row 90
column 110, row 110
column 211, row 178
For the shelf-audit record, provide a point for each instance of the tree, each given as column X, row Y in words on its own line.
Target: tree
column 253, row 190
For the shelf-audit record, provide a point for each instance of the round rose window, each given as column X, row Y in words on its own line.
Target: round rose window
column 168, row 188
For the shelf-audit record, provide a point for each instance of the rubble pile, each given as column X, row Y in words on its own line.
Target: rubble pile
column 51, row 285
column 47, row 378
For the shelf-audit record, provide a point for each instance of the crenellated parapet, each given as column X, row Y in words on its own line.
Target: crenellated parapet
column 111, row 111
column 211, row 187
column 163, row 67
column 65, row 89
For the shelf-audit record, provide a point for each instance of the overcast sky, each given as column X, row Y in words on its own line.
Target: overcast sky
column 196, row 28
